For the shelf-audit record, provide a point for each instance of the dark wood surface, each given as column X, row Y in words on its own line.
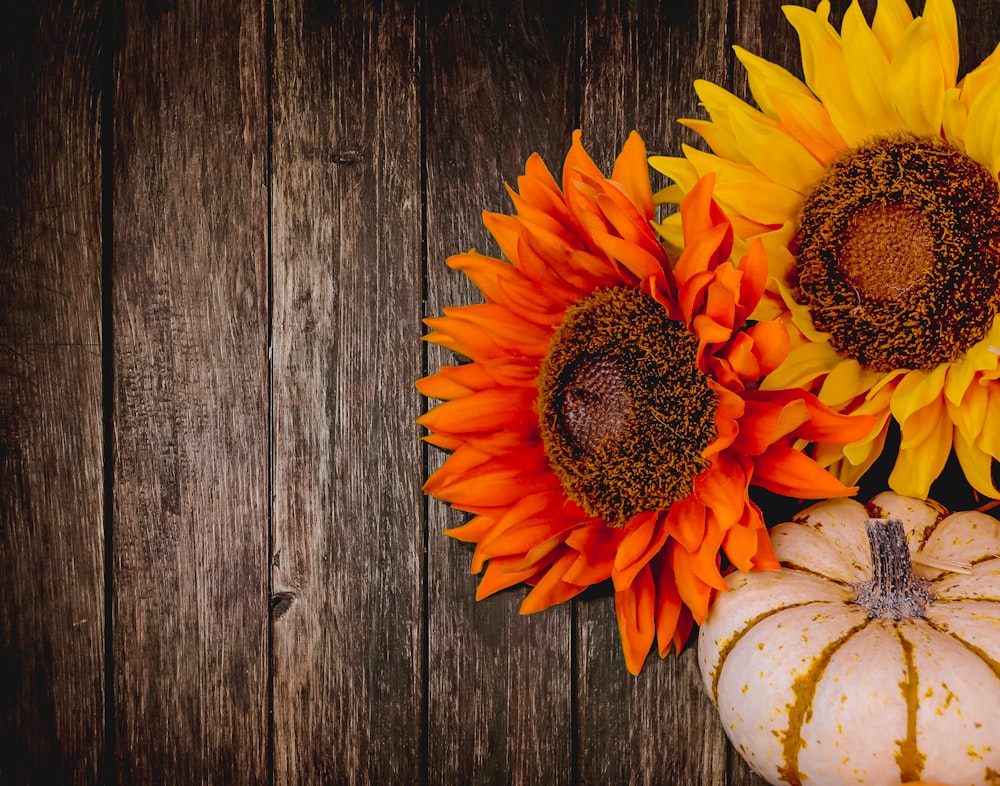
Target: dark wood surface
column 221, row 224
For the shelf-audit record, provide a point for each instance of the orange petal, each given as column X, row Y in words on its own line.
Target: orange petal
column 498, row 482
column 484, row 411
column 635, row 608
column 631, row 171
column 705, row 561
column 638, row 547
column 699, row 212
column 551, row 589
column 722, row 489
column 501, row 573
column 695, row 593
column 668, row 606
column 770, row 344
column 791, row 472
column 473, row 530
column 754, row 268
column 822, row 424
column 686, row 521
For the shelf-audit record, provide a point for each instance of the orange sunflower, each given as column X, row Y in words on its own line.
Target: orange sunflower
column 610, row 424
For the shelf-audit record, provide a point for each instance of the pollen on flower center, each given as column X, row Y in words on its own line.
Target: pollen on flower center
column 624, row 411
column 898, row 253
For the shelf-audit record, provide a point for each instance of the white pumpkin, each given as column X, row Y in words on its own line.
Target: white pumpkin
column 817, row 685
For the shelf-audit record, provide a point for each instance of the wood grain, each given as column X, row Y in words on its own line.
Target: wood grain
column 348, row 526
column 51, row 468
column 190, row 318
column 501, row 84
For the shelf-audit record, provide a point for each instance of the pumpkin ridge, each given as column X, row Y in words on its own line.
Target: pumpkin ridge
column 747, row 627
column 979, row 652
column 909, row 758
column 804, row 689
column 787, row 565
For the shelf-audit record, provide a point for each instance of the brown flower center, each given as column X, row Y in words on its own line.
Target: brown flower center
column 898, row 253
column 624, row 411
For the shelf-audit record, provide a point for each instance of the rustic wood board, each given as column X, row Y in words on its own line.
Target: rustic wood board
column 190, row 412
column 52, row 624
column 348, row 532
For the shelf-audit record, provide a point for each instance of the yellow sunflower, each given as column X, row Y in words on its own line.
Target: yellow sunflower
column 873, row 187
column 609, row 425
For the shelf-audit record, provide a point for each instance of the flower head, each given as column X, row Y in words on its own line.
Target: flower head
column 873, row 186
column 610, row 422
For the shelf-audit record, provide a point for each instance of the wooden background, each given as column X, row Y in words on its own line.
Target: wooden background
column 220, row 226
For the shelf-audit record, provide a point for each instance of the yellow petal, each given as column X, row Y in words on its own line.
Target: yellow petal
column 678, row 169
column 802, row 366
column 917, row 390
column 746, row 190
column 826, row 71
column 976, row 464
column 969, row 415
column 940, row 16
column 982, row 129
column 846, row 381
column 983, row 75
column 989, row 439
column 917, row 81
column 720, row 139
column 782, row 96
column 978, row 359
column 868, row 69
column 920, row 461
column 892, row 17
column 775, row 153
column 720, row 104
column 954, row 114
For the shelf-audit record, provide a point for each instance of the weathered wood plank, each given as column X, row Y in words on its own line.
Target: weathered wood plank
column 348, row 522
column 500, row 84
column 639, row 62
column 190, row 318
column 51, row 494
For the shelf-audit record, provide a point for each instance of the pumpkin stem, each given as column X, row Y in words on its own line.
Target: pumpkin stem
column 893, row 591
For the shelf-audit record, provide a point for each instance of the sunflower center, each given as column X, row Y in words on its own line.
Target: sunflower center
column 624, row 411
column 595, row 404
column 898, row 253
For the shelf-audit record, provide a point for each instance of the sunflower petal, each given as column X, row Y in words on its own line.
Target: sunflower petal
column 635, row 608
column 638, row 548
column 694, row 592
column 791, row 472
column 917, row 82
column 631, row 172
column 868, row 70
column 982, row 140
column 976, row 463
column 551, row 589
column 825, row 69
column 922, row 457
column 669, row 608
column 783, row 97
column 892, row 17
column 501, row 573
